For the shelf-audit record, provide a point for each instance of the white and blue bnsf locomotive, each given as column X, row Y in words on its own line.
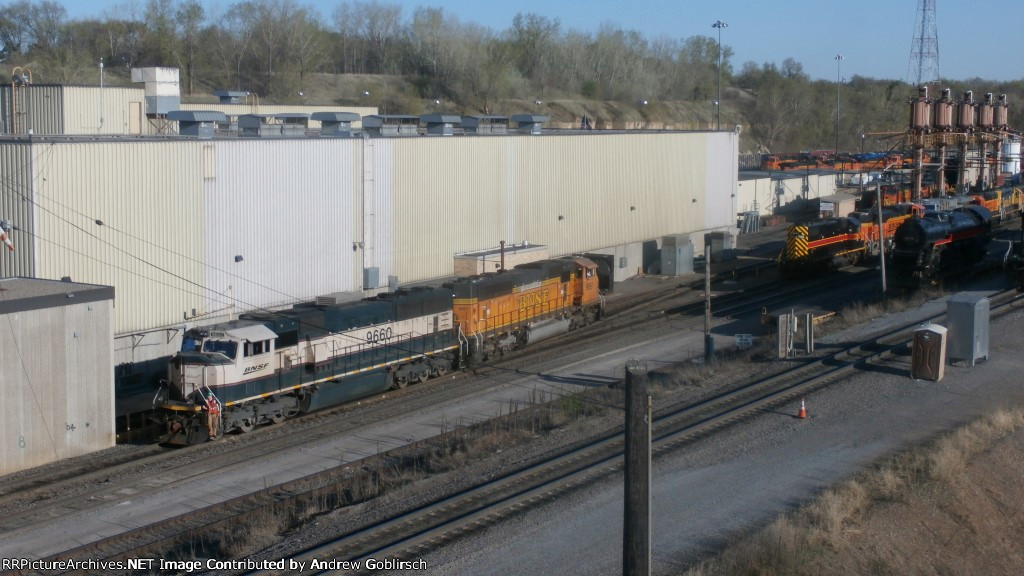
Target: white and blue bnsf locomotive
column 268, row 366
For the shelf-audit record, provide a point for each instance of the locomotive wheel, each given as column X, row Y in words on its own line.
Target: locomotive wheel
column 245, row 426
column 276, row 418
column 442, row 370
column 291, row 413
column 401, row 382
column 423, row 376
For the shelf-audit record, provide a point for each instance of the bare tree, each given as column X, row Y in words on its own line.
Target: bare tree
column 46, row 23
column 306, row 42
column 189, row 18
column 532, row 37
column 436, row 45
column 379, row 25
column 14, row 27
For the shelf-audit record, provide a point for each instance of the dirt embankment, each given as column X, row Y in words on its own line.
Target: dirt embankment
column 953, row 506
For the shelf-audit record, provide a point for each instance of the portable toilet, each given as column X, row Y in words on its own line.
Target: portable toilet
column 928, row 352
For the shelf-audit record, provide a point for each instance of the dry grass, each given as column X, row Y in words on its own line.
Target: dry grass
column 812, row 540
column 863, row 312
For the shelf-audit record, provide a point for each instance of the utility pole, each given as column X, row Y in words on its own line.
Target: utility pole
column 718, row 103
column 636, row 544
column 881, row 235
column 839, row 80
column 709, row 340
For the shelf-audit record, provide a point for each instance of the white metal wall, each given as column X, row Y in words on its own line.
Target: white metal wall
column 291, row 210
column 151, row 244
column 306, row 216
column 573, row 193
column 57, row 384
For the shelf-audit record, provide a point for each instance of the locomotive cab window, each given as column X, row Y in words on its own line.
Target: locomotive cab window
column 189, row 344
column 257, row 348
column 228, row 348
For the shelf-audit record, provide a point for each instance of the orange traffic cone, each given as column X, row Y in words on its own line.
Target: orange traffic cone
column 803, row 410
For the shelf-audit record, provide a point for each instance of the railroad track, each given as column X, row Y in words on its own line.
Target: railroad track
column 432, row 525
column 231, row 511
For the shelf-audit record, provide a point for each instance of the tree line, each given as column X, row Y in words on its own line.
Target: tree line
column 273, row 47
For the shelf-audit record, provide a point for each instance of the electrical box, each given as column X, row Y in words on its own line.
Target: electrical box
column 968, row 317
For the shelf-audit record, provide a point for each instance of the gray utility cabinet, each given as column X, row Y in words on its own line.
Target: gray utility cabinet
column 676, row 255
column 968, row 315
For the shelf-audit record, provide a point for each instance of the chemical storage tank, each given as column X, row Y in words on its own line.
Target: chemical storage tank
column 1000, row 120
column 943, row 112
column 921, row 111
column 986, row 113
column 966, row 114
column 1011, row 157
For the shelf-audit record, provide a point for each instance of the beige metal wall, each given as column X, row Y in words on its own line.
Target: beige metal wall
column 151, row 245
column 57, row 384
column 455, row 194
column 92, row 110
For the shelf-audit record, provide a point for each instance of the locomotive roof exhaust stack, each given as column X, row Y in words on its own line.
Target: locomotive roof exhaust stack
column 501, row 267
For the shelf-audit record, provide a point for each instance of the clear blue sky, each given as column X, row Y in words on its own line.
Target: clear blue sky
column 976, row 37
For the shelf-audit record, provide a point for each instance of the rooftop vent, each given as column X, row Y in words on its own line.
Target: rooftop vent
column 485, row 124
column 231, row 96
column 530, row 123
column 338, row 124
column 392, row 125
column 197, row 123
column 162, row 90
column 441, row 124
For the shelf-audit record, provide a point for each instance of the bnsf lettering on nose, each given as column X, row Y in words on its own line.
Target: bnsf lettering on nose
column 528, row 300
column 256, row 368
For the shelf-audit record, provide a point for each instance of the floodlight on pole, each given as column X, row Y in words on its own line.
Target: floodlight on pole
column 839, row 80
column 718, row 113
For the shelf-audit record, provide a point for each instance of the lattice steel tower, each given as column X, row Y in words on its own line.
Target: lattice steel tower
column 924, row 51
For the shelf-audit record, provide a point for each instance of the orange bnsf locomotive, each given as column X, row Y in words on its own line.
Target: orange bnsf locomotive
column 268, row 366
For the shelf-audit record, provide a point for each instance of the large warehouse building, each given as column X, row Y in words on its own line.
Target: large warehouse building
column 190, row 230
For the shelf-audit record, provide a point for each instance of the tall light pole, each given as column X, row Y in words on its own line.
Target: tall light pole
column 839, row 80
column 718, row 103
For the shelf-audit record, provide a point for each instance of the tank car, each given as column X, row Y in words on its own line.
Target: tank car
column 822, row 245
column 939, row 246
column 267, row 366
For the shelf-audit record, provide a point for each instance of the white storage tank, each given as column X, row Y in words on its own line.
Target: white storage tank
column 1011, row 157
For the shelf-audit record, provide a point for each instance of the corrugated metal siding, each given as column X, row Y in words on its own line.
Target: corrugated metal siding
column 40, row 108
column 291, row 209
column 722, row 175
column 514, row 188
column 16, row 205
column 59, row 402
column 449, row 196
column 83, row 106
column 150, row 248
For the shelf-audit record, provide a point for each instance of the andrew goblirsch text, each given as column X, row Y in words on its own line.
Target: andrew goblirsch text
column 189, row 566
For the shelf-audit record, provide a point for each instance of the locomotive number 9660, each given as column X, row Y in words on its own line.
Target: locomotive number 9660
column 379, row 335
